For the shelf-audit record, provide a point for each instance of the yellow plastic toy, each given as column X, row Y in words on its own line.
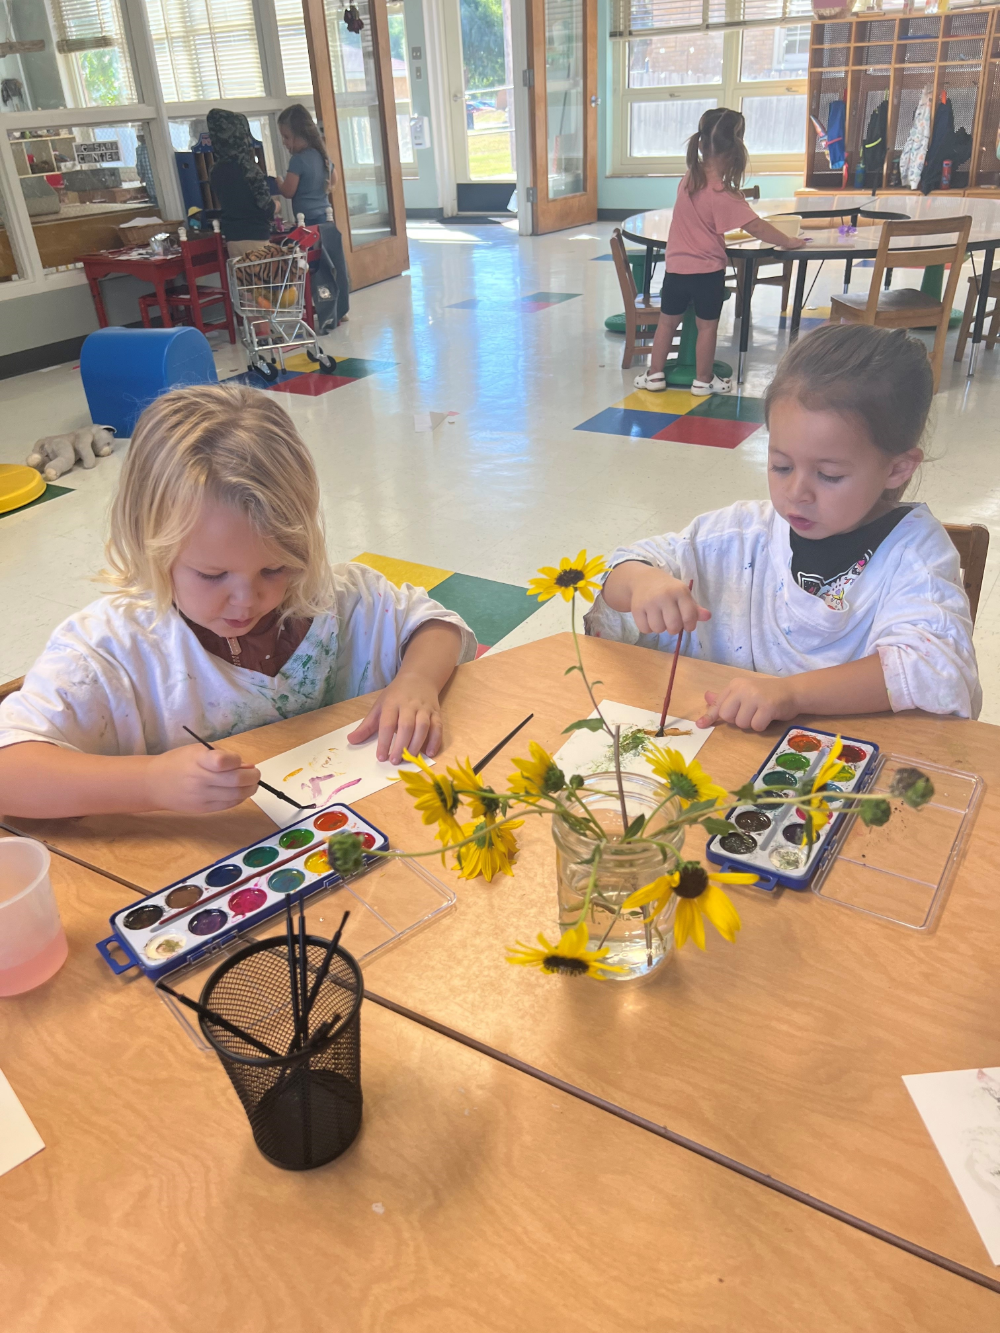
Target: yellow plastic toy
column 19, row 485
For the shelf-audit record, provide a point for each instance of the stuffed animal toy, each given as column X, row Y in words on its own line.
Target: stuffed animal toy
column 56, row 454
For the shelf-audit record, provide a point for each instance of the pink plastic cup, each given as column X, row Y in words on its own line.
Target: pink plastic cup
column 32, row 941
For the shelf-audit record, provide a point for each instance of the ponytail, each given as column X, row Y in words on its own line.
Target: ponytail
column 719, row 139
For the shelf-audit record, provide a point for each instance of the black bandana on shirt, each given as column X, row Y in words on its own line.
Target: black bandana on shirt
column 827, row 568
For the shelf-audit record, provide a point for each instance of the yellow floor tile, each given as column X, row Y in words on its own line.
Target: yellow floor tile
column 299, row 362
column 404, row 571
column 670, row 400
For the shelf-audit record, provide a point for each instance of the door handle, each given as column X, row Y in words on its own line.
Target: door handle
column 594, row 100
column 456, row 97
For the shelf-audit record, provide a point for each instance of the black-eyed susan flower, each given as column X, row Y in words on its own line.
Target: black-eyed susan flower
column 538, row 776
column 491, row 853
column 830, row 770
column 572, row 576
column 688, row 782
column 699, row 893
column 434, row 796
column 570, row 956
column 480, row 798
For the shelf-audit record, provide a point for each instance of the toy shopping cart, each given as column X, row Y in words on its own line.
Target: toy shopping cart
column 268, row 287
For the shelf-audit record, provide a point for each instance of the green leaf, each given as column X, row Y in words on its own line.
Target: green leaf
column 572, row 668
column 635, row 828
column 718, row 827
column 745, row 794
column 585, row 724
column 696, row 807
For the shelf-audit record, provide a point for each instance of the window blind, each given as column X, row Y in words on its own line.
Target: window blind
column 655, row 18
column 205, row 49
column 294, row 50
column 86, row 25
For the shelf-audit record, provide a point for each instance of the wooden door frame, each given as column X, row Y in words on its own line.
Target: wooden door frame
column 380, row 259
column 577, row 209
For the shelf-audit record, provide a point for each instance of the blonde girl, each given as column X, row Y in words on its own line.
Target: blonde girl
column 226, row 615
column 709, row 204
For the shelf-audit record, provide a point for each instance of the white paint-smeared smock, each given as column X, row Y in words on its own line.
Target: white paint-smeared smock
column 114, row 680
column 908, row 605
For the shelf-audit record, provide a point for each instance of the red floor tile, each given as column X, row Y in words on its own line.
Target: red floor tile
column 312, row 384
column 483, row 648
column 713, row 431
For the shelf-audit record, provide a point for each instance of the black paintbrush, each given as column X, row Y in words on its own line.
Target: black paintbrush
column 293, row 979
column 324, row 968
column 266, row 785
column 491, row 754
column 303, row 968
column 673, row 671
column 217, row 1019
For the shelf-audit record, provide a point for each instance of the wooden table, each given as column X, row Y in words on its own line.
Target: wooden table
column 651, row 229
column 155, row 269
column 784, row 1051
column 474, row 1198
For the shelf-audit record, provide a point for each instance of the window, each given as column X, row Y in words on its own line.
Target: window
column 10, row 270
column 666, row 81
column 294, row 50
column 398, row 53
column 205, row 49
column 96, row 176
column 82, row 60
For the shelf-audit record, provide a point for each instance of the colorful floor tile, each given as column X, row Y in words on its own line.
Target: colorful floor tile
column 51, row 492
column 490, row 609
column 302, row 375
column 312, row 385
column 720, row 421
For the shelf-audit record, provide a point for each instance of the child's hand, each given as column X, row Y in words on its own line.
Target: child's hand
column 794, row 242
column 752, row 702
column 194, row 779
column 407, row 716
column 661, row 604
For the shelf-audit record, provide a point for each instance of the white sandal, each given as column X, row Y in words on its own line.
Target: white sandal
column 701, row 390
column 654, row 383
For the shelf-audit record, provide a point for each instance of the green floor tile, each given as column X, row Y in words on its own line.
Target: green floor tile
column 491, row 610
column 354, row 367
column 730, row 407
column 50, row 493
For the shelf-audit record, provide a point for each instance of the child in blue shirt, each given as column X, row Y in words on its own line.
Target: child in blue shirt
column 311, row 174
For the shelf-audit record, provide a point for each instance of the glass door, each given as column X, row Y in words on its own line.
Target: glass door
column 481, row 84
column 563, row 43
column 355, row 98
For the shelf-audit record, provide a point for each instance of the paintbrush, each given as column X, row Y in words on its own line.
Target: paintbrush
column 212, row 1017
column 324, row 967
column 491, row 754
column 673, row 669
column 292, row 972
column 303, row 965
column 266, row 785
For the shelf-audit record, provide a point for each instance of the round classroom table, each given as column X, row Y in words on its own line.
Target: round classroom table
column 650, row 230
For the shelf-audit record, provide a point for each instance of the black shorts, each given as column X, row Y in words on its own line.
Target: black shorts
column 705, row 291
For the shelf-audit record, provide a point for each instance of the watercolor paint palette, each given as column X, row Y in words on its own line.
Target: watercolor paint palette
column 204, row 911
column 771, row 841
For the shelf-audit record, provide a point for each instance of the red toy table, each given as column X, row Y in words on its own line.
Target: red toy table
column 158, row 271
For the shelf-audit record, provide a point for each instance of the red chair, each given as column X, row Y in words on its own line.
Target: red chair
column 201, row 257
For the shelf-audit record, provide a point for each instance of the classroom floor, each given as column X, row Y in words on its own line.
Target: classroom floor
column 483, row 426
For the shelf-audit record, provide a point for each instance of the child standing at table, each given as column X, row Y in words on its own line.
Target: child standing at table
column 227, row 616
column 850, row 600
column 709, row 204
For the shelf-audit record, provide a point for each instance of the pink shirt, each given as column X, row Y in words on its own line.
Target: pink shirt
column 694, row 243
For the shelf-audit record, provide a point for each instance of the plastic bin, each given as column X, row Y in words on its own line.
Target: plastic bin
column 123, row 370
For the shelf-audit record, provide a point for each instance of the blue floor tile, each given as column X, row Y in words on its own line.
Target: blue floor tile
column 626, row 421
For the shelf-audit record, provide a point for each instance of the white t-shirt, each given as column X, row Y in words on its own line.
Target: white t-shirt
column 114, row 680
column 908, row 605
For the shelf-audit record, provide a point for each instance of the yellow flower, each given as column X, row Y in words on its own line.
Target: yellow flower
column 435, row 798
column 492, row 852
column 538, row 776
column 689, row 782
column 815, row 808
column 572, row 576
column 570, row 956
column 462, row 776
column 699, row 893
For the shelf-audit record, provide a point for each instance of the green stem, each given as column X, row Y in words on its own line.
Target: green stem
column 579, row 662
column 591, row 882
column 618, row 776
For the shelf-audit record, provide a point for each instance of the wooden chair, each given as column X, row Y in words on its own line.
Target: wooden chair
column 639, row 314
column 969, row 316
column 782, row 279
column 972, row 542
column 10, row 687
column 907, row 308
column 188, row 302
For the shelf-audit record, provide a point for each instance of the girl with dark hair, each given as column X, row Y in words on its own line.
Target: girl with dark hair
column 709, row 204
column 247, row 209
column 844, row 599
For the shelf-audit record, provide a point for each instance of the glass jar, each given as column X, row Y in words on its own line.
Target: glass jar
column 636, row 940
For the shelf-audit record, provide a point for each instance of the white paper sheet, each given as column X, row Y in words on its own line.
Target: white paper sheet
column 589, row 752
column 961, row 1110
column 324, row 770
column 19, row 1139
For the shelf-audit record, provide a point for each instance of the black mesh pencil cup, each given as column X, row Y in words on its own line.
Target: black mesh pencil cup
column 303, row 1100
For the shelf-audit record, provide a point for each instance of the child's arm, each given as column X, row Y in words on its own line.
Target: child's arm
column 659, row 603
column 287, row 185
column 43, row 781
column 407, row 714
column 756, row 701
column 764, row 231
